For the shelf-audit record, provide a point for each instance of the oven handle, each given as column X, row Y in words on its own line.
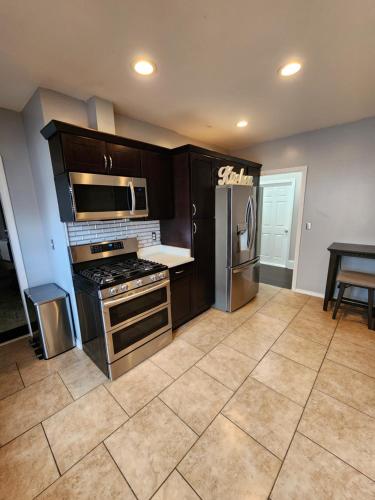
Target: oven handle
column 129, row 295
column 131, row 186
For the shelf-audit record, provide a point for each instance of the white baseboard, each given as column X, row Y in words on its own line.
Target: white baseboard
column 309, row 292
column 272, row 264
column 290, row 264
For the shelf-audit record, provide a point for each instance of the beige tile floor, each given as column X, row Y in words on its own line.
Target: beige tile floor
column 276, row 401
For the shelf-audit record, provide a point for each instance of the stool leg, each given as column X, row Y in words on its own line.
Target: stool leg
column 338, row 300
column 370, row 308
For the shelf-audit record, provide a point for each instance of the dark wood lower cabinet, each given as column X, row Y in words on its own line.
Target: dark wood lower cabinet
column 180, row 277
column 203, row 278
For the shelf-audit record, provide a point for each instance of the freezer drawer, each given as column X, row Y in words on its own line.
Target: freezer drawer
column 243, row 284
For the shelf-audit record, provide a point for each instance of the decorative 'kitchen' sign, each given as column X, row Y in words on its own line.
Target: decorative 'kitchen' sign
column 227, row 176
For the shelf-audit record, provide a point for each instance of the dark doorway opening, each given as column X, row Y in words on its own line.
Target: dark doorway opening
column 276, row 276
column 13, row 322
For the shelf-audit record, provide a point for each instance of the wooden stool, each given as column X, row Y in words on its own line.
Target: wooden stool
column 361, row 280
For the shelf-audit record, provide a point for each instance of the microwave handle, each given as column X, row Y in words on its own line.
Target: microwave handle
column 131, row 186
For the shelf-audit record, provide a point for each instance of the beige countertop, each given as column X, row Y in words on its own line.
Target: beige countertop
column 167, row 255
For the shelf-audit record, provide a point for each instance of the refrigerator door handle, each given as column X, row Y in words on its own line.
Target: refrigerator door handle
column 247, row 221
column 250, row 221
column 243, row 268
column 253, row 224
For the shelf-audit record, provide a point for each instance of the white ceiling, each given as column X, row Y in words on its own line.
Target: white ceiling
column 217, row 61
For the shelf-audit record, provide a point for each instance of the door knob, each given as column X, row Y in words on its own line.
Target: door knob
column 286, row 231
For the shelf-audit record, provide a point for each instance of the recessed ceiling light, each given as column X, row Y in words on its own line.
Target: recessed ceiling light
column 144, row 67
column 242, row 124
column 290, row 69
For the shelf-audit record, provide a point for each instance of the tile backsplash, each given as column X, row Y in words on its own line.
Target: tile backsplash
column 80, row 233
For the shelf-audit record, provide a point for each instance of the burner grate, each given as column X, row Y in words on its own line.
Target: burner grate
column 127, row 269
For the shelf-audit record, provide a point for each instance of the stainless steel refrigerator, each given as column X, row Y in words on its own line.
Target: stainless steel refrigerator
column 237, row 241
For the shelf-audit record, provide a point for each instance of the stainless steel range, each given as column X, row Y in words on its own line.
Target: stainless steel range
column 123, row 304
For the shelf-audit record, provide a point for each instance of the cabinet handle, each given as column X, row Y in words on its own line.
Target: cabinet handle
column 110, row 162
column 194, row 228
column 179, row 272
column 194, row 209
column 105, row 161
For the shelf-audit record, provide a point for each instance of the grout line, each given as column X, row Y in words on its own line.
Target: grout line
column 173, row 380
column 66, row 387
column 180, row 418
column 17, row 390
column 253, row 438
column 334, row 455
column 62, row 475
column 189, row 485
column 116, row 464
column 117, row 402
column 297, row 334
column 39, row 422
column 340, row 338
column 290, row 359
column 219, row 381
column 19, row 373
column 343, row 402
column 92, row 449
column 350, row 367
column 276, row 392
column 50, row 448
column 302, row 414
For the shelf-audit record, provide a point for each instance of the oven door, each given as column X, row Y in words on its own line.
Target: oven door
column 101, row 197
column 137, row 332
column 127, row 307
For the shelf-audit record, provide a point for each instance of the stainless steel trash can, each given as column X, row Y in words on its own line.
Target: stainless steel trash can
column 51, row 320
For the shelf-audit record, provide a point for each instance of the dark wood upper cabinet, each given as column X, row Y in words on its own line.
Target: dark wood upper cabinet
column 123, row 160
column 157, row 169
column 202, row 194
column 83, row 154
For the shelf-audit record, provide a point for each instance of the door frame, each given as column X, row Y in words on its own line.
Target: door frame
column 292, row 182
column 303, row 170
column 6, row 203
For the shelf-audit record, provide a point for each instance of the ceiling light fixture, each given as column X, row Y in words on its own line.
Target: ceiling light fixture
column 290, row 69
column 144, row 67
column 242, row 124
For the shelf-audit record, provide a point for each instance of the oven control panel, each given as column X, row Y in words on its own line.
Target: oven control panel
column 107, row 247
column 132, row 285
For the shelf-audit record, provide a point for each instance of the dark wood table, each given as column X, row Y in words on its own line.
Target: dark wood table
column 338, row 250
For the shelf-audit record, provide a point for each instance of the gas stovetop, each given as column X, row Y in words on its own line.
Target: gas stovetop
column 112, row 267
column 120, row 272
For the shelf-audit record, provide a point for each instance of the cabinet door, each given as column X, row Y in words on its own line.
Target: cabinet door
column 123, row 160
column 82, row 154
column 157, row 169
column 180, row 296
column 202, row 289
column 202, row 192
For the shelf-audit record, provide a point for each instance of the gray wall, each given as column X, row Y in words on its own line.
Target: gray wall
column 36, row 114
column 21, row 189
column 147, row 132
column 339, row 199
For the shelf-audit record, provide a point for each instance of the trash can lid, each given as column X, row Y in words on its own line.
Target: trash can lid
column 45, row 293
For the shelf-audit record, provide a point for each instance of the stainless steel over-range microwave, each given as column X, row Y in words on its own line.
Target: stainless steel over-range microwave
column 87, row 197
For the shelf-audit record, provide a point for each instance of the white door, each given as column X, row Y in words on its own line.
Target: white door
column 276, row 222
